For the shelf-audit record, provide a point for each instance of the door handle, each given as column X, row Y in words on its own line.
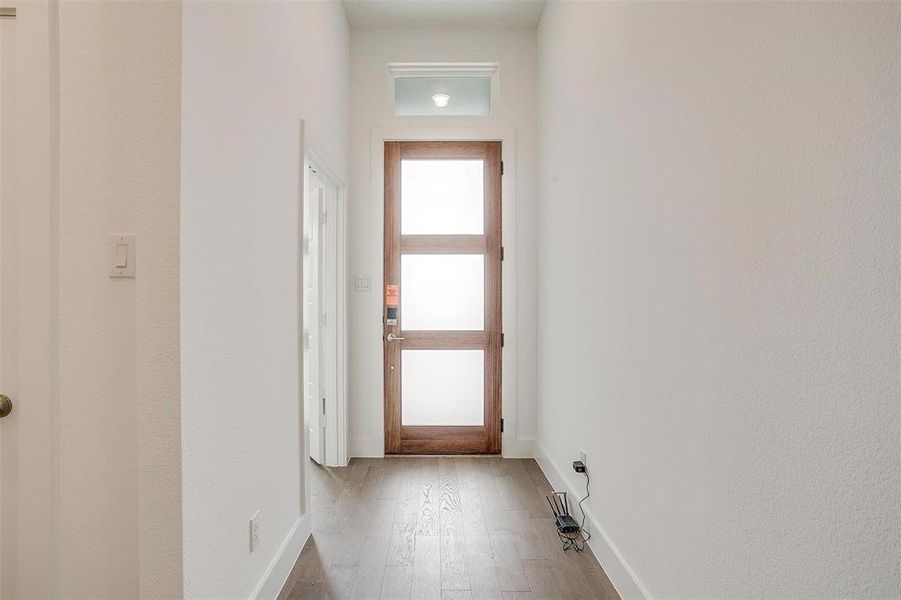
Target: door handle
column 394, row 338
column 6, row 406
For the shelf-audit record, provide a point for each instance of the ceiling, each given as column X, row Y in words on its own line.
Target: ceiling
column 375, row 14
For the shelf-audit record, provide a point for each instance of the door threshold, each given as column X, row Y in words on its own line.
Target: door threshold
column 397, row 455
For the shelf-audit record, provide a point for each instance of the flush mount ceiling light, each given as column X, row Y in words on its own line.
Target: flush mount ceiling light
column 440, row 100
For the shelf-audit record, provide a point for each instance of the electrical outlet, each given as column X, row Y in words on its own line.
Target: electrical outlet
column 583, row 456
column 254, row 531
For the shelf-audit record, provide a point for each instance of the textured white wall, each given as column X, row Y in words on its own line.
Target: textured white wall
column 118, row 499
column 251, row 72
column 719, row 289
column 371, row 107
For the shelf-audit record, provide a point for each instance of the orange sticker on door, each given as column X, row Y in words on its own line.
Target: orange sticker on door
column 392, row 296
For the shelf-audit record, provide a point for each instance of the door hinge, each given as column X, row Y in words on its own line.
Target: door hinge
column 502, row 425
column 502, row 253
column 324, row 416
column 502, row 167
column 502, row 340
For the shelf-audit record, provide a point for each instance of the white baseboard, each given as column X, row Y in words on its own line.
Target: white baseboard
column 366, row 448
column 519, row 448
column 618, row 570
column 277, row 573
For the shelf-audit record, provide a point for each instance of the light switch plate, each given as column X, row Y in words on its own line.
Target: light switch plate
column 361, row 283
column 122, row 256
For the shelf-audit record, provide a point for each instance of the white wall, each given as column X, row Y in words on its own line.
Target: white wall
column 371, row 108
column 251, row 72
column 718, row 289
column 118, row 506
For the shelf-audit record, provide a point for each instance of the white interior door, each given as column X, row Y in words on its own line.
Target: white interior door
column 321, row 316
column 328, row 323
column 313, row 316
column 4, row 381
column 26, row 305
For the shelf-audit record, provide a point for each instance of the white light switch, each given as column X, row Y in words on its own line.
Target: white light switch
column 122, row 256
column 121, row 261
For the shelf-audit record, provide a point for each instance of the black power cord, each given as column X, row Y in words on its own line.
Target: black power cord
column 576, row 540
column 571, row 532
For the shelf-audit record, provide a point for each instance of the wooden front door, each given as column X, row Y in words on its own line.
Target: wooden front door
column 442, row 309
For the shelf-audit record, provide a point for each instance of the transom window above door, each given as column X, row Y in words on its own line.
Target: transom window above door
column 443, row 89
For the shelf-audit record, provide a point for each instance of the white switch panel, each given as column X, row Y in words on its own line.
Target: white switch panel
column 122, row 256
column 361, row 283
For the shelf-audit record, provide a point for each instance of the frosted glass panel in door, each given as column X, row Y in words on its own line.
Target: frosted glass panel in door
column 442, row 292
column 442, row 387
column 442, row 197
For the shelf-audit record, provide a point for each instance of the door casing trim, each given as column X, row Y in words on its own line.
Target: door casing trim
column 511, row 445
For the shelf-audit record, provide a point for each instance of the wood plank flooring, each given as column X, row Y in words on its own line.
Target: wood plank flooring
column 442, row 528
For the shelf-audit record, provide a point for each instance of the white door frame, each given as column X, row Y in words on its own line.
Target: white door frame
column 29, row 300
column 511, row 446
column 336, row 446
